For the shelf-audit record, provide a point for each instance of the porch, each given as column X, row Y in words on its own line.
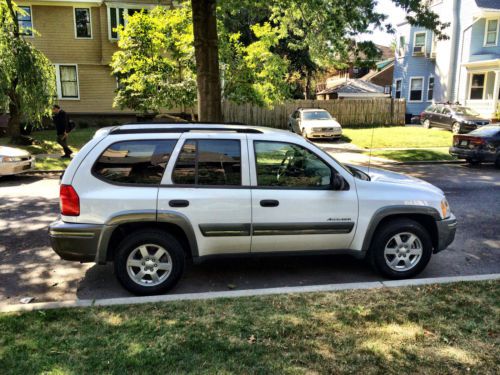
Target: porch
column 483, row 87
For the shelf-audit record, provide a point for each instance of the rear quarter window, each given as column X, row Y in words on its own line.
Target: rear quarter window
column 134, row 162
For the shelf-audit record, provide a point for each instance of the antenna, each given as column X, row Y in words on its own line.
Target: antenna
column 371, row 146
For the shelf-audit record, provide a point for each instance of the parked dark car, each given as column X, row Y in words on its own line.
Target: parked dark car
column 457, row 118
column 481, row 145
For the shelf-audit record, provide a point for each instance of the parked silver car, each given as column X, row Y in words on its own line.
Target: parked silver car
column 314, row 123
column 14, row 161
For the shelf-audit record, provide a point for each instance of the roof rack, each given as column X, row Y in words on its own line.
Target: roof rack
column 183, row 130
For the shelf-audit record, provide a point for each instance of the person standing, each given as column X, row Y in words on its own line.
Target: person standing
column 61, row 121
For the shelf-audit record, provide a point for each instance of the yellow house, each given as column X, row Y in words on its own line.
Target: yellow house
column 78, row 37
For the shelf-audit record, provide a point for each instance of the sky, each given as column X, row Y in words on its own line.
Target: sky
column 396, row 15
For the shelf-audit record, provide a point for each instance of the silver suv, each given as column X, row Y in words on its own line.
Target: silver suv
column 148, row 197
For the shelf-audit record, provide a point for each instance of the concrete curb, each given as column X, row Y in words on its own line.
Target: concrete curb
column 244, row 293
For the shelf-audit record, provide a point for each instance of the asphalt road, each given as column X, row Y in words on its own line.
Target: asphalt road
column 29, row 268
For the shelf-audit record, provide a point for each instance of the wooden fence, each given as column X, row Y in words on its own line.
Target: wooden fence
column 348, row 112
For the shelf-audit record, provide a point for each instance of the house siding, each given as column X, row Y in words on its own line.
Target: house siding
column 57, row 40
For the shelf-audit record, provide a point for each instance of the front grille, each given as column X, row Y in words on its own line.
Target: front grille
column 482, row 122
column 322, row 129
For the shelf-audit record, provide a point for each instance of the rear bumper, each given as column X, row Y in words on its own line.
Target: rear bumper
column 479, row 155
column 446, row 232
column 76, row 242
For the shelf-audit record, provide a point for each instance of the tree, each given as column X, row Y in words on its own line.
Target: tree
column 207, row 60
column 326, row 27
column 155, row 64
column 27, row 77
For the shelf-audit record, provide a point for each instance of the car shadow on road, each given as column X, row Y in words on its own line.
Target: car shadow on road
column 239, row 273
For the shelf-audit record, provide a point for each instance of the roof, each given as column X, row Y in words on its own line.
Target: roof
column 187, row 127
column 488, row 4
column 352, row 86
column 373, row 73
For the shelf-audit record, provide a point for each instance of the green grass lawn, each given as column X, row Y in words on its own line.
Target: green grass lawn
column 398, row 136
column 427, row 154
column 50, row 164
column 435, row 329
column 46, row 141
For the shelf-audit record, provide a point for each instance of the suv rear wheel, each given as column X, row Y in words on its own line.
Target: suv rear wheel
column 149, row 262
column 401, row 249
column 427, row 123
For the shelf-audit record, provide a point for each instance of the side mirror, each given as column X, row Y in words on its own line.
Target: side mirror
column 337, row 182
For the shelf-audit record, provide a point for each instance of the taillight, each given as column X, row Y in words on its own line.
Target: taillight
column 69, row 201
column 477, row 141
column 456, row 140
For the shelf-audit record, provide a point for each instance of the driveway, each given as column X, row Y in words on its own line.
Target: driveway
column 29, row 268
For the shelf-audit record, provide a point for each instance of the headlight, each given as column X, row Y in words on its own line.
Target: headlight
column 445, row 208
column 470, row 122
column 7, row 159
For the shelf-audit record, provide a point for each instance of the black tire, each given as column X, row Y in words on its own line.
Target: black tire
column 497, row 162
column 156, row 237
column 385, row 234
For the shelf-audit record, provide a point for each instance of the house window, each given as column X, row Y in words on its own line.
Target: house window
column 419, row 43
column 83, row 24
column 477, row 86
column 416, row 88
column 67, row 81
column 430, row 89
column 25, row 21
column 397, row 92
column 402, row 45
column 491, row 33
column 117, row 17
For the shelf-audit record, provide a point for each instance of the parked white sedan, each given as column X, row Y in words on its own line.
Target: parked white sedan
column 14, row 161
column 314, row 123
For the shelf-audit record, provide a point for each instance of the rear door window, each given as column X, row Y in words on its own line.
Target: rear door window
column 134, row 162
column 209, row 162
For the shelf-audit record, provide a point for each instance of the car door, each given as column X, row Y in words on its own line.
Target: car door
column 446, row 118
column 208, row 188
column 436, row 120
column 294, row 207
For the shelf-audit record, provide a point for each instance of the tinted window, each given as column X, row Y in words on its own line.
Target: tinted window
column 486, row 131
column 289, row 165
column 430, row 108
column 135, row 162
column 446, row 111
column 209, row 162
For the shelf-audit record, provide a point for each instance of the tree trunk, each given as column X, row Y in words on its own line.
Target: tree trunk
column 14, row 124
column 207, row 60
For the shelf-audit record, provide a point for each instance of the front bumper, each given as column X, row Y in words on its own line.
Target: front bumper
column 446, row 232
column 77, row 242
column 16, row 167
column 324, row 134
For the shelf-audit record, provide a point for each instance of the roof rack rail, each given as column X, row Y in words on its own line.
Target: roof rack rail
column 183, row 130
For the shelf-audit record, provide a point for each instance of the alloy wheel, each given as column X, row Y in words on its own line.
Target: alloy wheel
column 403, row 251
column 149, row 265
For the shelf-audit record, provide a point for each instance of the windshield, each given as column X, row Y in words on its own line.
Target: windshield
column 316, row 115
column 465, row 111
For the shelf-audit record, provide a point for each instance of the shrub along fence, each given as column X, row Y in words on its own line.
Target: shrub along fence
column 348, row 112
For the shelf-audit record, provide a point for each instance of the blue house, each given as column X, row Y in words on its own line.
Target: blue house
column 465, row 68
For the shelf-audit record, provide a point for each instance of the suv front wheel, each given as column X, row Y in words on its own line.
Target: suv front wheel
column 149, row 262
column 401, row 249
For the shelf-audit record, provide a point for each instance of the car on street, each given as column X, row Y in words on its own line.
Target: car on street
column 314, row 123
column 15, row 161
column 148, row 197
column 457, row 118
column 481, row 145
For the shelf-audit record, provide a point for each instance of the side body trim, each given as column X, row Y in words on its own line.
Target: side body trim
column 301, row 228
column 225, row 230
